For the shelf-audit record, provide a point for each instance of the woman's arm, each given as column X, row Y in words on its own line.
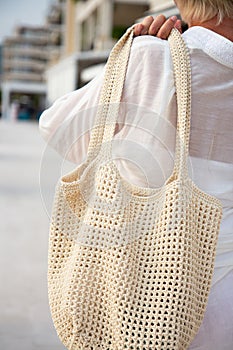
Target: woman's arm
column 69, row 120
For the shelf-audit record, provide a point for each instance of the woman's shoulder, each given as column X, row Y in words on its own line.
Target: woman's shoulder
column 150, row 54
column 150, row 44
column 214, row 45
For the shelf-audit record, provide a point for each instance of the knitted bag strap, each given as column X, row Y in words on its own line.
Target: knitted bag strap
column 182, row 75
column 107, row 114
column 111, row 93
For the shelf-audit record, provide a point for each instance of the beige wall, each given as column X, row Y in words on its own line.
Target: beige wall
column 125, row 14
column 88, row 25
column 158, row 5
column 69, row 36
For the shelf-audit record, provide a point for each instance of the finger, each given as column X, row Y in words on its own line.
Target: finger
column 166, row 28
column 156, row 24
column 146, row 23
column 178, row 25
column 138, row 29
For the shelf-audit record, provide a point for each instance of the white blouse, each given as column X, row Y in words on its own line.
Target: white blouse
column 144, row 141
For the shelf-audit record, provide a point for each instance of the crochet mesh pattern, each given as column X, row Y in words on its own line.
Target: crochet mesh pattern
column 131, row 267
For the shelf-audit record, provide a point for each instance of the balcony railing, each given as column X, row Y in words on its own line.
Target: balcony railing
column 20, row 64
column 26, row 52
column 24, row 76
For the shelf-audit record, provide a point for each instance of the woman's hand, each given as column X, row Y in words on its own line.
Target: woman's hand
column 158, row 26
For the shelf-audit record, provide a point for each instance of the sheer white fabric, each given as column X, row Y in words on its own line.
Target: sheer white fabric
column 143, row 146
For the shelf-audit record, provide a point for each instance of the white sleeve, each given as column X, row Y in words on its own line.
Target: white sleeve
column 149, row 79
column 69, row 120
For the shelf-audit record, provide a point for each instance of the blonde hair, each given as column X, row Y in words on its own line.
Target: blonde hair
column 203, row 10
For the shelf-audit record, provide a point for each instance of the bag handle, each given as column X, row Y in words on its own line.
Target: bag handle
column 110, row 98
column 182, row 76
column 111, row 93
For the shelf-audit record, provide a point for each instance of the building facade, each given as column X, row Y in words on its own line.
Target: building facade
column 41, row 64
column 26, row 55
column 91, row 29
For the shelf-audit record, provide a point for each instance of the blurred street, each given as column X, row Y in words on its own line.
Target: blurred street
column 25, row 322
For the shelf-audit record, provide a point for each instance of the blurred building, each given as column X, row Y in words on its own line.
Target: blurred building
column 25, row 58
column 91, row 29
column 43, row 63
column 0, row 80
column 167, row 7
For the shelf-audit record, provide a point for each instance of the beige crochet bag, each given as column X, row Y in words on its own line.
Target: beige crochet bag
column 131, row 267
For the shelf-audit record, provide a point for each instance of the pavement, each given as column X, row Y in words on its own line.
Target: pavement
column 28, row 174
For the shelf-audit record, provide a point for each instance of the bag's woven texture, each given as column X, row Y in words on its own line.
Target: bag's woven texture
column 131, row 267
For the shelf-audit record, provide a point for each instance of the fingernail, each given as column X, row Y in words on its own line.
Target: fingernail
column 174, row 18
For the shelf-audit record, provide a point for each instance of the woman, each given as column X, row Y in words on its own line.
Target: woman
column 150, row 109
